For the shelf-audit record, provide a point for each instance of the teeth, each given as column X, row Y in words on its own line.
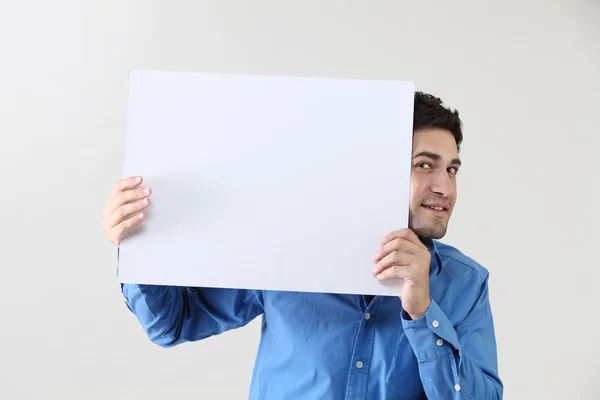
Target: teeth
column 436, row 208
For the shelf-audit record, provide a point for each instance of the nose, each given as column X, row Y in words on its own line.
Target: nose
column 442, row 183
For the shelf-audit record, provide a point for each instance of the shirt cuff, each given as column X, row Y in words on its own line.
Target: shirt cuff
column 431, row 336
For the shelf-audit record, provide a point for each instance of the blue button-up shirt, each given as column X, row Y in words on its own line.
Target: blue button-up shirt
column 334, row 346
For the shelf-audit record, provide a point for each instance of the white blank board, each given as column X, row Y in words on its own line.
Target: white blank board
column 266, row 182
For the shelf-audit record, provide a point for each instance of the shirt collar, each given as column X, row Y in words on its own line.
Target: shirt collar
column 435, row 265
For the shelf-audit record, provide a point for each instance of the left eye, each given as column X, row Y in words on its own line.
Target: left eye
column 453, row 170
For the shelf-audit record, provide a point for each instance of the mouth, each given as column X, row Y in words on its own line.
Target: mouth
column 436, row 208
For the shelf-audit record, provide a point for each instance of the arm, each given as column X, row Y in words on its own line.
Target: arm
column 454, row 363
column 171, row 315
column 461, row 362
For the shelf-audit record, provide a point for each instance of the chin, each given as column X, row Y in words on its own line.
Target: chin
column 427, row 231
column 427, row 227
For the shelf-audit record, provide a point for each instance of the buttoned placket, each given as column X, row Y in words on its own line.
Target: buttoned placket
column 358, row 378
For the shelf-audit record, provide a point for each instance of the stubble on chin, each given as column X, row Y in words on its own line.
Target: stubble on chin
column 435, row 230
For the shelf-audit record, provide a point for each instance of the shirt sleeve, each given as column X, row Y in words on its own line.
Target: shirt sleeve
column 171, row 315
column 456, row 362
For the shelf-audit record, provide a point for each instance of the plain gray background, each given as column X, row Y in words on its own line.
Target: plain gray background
column 524, row 75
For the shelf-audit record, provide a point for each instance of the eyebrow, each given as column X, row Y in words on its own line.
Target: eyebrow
column 436, row 157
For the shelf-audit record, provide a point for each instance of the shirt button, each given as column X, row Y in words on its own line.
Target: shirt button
column 359, row 364
column 439, row 342
column 367, row 316
column 457, row 387
column 435, row 323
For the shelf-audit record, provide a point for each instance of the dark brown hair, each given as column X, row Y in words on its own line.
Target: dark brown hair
column 429, row 112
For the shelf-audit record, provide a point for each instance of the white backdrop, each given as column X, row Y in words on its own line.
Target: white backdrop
column 524, row 76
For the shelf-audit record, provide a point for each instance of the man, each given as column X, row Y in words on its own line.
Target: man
column 436, row 342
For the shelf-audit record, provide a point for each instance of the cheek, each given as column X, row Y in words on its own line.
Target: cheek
column 415, row 193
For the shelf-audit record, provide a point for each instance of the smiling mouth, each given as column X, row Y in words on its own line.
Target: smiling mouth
column 436, row 209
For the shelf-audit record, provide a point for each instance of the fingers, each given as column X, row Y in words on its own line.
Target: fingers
column 398, row 244
column 125, row 197
column 402, row 255
column 407, row 234
column 116, row 234
column 117, row 193
column 396, row 271
column 125, row 184
column 124, row 211
column 395, row 258
column 123, row 208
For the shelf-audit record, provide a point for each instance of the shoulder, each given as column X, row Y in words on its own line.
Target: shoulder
column 456, row 262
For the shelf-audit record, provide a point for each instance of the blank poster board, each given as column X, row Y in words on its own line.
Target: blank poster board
column 266, row 182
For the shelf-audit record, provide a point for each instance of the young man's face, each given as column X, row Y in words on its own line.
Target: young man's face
column 433, row 182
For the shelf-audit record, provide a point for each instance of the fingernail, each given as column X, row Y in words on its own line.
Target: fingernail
column 141, row 215
column 146, row 191
column 145, row 201
column 138, row 179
